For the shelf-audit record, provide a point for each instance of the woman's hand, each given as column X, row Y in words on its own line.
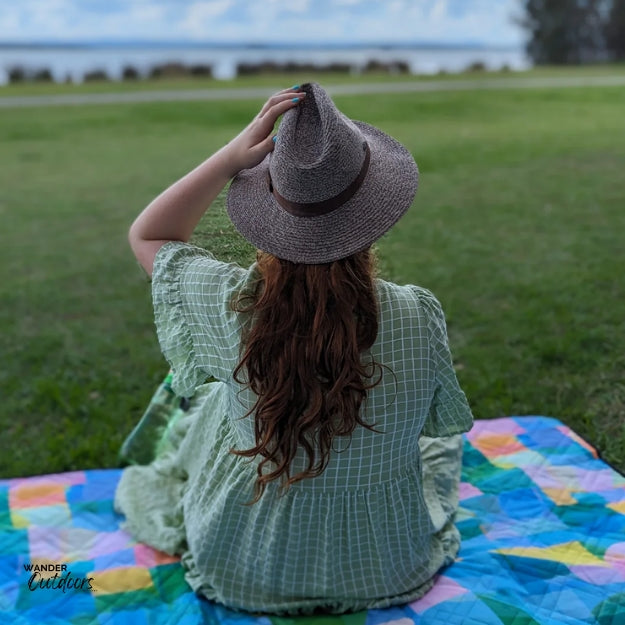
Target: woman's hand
column 252, row 145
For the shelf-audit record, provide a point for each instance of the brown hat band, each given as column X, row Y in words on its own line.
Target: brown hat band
column 314, row 209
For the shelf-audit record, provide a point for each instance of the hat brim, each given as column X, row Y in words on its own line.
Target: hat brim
column 384, row 196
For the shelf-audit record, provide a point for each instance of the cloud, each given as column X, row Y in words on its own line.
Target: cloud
column 348, row 3
column 342, row 21
column 208, row 9
column 199, row 19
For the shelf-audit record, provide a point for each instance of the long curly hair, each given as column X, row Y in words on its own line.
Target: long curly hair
column 301, row 357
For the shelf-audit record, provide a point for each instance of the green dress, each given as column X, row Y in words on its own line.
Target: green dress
column 371, row 531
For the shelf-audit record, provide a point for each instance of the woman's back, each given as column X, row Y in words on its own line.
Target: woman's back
column 362, row 529
column 374, row 523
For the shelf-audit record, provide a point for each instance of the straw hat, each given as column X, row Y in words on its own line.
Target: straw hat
column 330, row 188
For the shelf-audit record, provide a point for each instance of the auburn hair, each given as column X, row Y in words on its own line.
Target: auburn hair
column 301, row 357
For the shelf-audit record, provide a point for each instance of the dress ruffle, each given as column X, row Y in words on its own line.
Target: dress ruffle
column 450, row 413
column 172, row 323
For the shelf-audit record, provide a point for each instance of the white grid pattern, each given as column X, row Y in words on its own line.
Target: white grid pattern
column 360, row 535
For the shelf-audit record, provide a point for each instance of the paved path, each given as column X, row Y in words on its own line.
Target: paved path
column 249, row 93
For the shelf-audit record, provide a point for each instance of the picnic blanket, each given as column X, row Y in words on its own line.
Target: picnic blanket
column 542, row 520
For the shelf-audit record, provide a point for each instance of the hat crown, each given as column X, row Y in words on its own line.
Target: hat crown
column 319, row 151
column 329, row 189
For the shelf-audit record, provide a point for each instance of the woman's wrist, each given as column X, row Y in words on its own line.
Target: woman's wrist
column 231, row 159
column 219, row 168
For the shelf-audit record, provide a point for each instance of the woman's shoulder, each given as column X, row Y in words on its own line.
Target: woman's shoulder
column 196, row 269
column 392, row 294
column 178, row 255
column 409, row 309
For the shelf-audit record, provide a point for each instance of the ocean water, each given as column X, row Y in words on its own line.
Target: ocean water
column 73, row 63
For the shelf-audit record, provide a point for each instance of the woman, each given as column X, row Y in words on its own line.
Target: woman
column 320, row 471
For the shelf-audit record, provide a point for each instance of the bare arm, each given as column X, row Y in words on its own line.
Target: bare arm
column 173, row 215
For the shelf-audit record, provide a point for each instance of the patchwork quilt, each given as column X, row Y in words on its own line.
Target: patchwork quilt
column 542, row 520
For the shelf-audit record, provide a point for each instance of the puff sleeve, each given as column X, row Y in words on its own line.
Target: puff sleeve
column 449, row 412
column 198, row 331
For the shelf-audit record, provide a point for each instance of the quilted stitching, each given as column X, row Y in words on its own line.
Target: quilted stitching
column 542, row 521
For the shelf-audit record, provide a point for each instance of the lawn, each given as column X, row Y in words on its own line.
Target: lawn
column 275, row 80
column 517, row 227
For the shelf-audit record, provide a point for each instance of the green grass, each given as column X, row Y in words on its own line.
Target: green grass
column 272, row 81
column 517, row 228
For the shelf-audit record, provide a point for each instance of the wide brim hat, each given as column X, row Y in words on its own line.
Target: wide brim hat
column 330, row 188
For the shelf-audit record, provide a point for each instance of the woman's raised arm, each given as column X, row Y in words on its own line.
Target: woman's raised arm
column 173, row 215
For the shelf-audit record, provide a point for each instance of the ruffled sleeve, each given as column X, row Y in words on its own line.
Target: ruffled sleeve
column 198, row 331
column 449, row 411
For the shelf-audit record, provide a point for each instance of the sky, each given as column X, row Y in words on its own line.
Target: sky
column 291, row 21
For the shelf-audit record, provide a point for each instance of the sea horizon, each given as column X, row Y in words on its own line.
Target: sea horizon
column 275, row 45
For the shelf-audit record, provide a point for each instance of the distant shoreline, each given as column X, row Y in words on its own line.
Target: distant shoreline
column 102, row 60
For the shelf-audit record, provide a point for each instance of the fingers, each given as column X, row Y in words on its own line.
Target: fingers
column 282, row 96
column 259, row 151
column 280, row 106
column 275, row 106
column 267, row 145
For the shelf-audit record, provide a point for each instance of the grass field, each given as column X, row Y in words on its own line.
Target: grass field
column 517, row 227
column 275, row 80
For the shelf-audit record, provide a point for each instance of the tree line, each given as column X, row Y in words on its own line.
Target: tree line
column 574, row 31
